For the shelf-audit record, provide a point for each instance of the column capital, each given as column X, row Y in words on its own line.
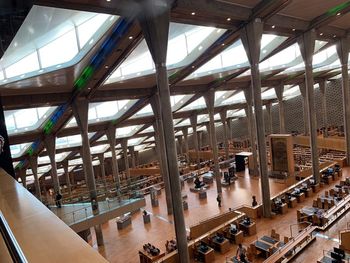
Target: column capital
column 210, row 100
column 343, row 48
column 307, row 46
column 80, row 110
column 279, row 89
column 223, row 116
column 251, row 36
column 193, row 120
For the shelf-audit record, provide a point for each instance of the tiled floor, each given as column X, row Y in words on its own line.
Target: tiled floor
column 123, row 245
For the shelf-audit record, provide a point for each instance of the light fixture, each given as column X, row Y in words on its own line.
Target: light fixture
column 192, row 66
column 321, row 34
column 131, row 37
column 91, row 41
column 338, row 14
column 334, row 35
column 218, row 31
column 273, row 26
column 106, row 66
column 193, row 13
column 264, row 51
column 200, row 48
column 41, row 71
column 223, row 44
column 58, row 66
column 228, row 19
column 293, row 29
column 108, row 0
column 22, row 76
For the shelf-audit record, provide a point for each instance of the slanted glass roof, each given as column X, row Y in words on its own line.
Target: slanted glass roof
column 59, row 157
column 75, row 162
column 235, row 57
column 234, row 99
column 141, row 147
column 18, row 150
column 236, row 113
column 135, row 141
column 197, row 104
column 70, row 141
column 150, row 139
column 178, row 100
column 104, row 111
column 109, row 154
column 18, row 121
column 127, row 131
column 145, row 111
column 148, row 129
column 99, row 148
column 288, row 57
column 185, row 122
column 221, row 96
column 186, row 43
column 268, row 94
column 50, row 38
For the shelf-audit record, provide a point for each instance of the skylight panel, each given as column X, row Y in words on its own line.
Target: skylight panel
column 18, row 150
column 27, row 64
column 197, row 104
column 145, row 111
column 268, row 94
column 99, row 148
column 235, row 99
column 135, row 141
column 104, row 111
column 291, row 92
column 148, row 129
column 59, row 51
column 127, row 131
column 52, row 38
column 70, row 141
column 23, row 120
column 151, row 139
column 185, row 122
column 185, row 44
column 87, row 29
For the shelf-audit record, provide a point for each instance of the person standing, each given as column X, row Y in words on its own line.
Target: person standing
column 218, row 199
column 241, row 253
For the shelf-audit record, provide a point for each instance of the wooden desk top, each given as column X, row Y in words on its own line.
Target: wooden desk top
column 41, row 234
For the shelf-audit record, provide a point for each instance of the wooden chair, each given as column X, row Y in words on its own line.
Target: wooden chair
column 326, row 194
column 319, row 203
column 326, row 206
column 314, row 203
column 285, row 239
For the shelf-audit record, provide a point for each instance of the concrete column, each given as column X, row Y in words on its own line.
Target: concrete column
column 207, row 126
column 193, row 120
column 343, row 47
column 251, row 39
column 160, row 142
column 307, row 48
column 66, row 172
column 302, row 89
column 269, row 118
column 33, row 162
column 154, row 21
column 200, row 140
column 180, row 142
column 223, row 116
column 279, row 93
column 23, row 176
column 132, row 155
column 229, row 129
column 251, row 129
column 136, row 158
column 185, row 134
column 124, row 144
column 322, row 85
column 101, row 158
column 80, row 110
column 210, row 100
column 115, row 171
column 50, row 144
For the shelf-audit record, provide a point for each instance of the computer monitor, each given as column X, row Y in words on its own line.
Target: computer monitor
column 339, row 251
column 337, row 256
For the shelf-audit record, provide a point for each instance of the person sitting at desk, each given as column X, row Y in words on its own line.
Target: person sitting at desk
column 233, row 229
column 246, row 221
column 241, row 253
column 254, row 202
column 198, row 183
